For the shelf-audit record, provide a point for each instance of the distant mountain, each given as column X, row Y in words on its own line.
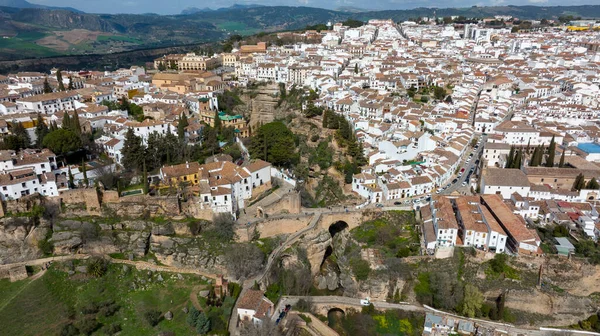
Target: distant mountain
column 350, row 9
column 194, row 10
column 26, row 4
column 59, row 31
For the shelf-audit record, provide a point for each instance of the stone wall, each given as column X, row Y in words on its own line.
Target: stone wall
column 289, row 204
column 273, row 227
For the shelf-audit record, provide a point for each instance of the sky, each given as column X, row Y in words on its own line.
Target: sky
column 176, row 6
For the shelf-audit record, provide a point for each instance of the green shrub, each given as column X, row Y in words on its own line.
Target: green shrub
column 360, row 268
column 153, row 317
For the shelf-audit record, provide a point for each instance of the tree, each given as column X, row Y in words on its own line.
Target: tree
column 71, row 180
column 41, row 130
column 62, row 141
column 97, row 267
column 356, row 68
column 145, row 179
column 59, row 79
column 66, row 121
column 202, row 324
column 192, row 316
column 593, row 184
column 561, row 164
column 360, row 268
column 71, row 86
column 439, row 92
column 75, row 125
column 510, row 158
column 243, row 260
column 21, row 136
column 579, row 182
column 274, row 143
column 224, row 226
column 84, row 171
column 183, row 123
column 518, row 159
column 162, row 66
column 133, row 151
column 217, row 122
column 47, row 87
column 472, row 302
column 551, row 153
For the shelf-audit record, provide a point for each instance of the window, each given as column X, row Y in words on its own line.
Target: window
column 23, row 185
column 4, row 188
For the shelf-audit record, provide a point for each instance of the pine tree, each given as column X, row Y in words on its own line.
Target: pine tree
column 561, row 164
column 71, row 86
column 61, row 85
column 41, row 130
column 75, row 125
column 47, row 87
column 325, row 118
column 84, row 171
column 593, row 184
column 510, row 158
column 551, row 153
column 202, row 324
column 66, row 122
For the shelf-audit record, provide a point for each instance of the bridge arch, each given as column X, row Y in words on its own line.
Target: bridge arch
column 337, row 227
column 335, row 316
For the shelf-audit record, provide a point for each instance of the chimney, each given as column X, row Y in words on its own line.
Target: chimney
column 187, row 165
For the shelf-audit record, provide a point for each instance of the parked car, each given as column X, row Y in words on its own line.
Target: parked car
column 397, row 203
column 379, row 205
column 464, row 183
column 462, row 170
column 365, row 302
column 455, row 180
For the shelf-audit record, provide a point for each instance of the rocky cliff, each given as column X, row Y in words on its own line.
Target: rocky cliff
column 171, row 243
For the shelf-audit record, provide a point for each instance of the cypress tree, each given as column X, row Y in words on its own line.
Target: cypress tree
column 510, row 158
column 61, row 85
column 551, row 153
column 71, row 86
column 533, row 158
column 217, row 123
column 579, row 182
column 561, row 164
column 183, row 123
column 145, row 178
column 518, row 159
column 66, row 122
column 47, row 87
column 356, row 68
column 84, row 171
column 75, row 125
column 70, row 178
column 41, row 130
column 325, row 117
column 528, row 144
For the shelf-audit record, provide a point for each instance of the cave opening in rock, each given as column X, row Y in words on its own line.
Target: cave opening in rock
column 328, row 252
column 337, row 227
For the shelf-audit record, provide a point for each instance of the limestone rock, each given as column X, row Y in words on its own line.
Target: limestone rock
column 168, row 316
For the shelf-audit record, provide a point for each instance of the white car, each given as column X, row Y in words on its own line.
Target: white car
column 464, row 183
column 365, row 302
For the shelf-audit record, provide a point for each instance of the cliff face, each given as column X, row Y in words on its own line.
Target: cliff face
column 171, row 243
column 64, row 19
column 19, row 239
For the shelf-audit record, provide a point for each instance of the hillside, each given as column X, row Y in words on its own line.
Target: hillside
column 41, row 32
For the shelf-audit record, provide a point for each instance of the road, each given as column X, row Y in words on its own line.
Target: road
column 467, row 166
column 346, row 301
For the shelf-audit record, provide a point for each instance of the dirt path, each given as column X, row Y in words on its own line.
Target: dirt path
column 194, row 296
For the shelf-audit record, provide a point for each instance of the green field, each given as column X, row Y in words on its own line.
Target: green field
column 44, row 306
column 237, row 28
column 24, row 44
column 118, row 38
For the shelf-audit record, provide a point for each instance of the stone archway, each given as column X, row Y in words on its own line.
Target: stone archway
column 337, row 227
column 260, row 212
column 335, row 316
